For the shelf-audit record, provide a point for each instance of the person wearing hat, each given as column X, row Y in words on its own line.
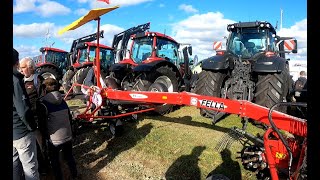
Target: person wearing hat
column 24, row 125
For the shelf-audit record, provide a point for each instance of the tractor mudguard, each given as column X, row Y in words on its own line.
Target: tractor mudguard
column 215, row 63
column 154, row 65
column 119, row 67
column 271, row 64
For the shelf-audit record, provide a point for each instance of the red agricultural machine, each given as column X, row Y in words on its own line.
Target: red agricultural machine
column 51, row 63
column 275, row 156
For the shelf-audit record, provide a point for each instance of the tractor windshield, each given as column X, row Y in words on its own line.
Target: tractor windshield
column 106, row 56
column 250, row 41
column 168, row 49
column 57, row 58
column 141, row 49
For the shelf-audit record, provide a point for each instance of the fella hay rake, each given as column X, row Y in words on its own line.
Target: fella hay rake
column 275, row 156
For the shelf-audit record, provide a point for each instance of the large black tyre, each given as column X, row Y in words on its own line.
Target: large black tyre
column 66, row 80
column 193, row 82
column 78, row 77
column 272, row 89
column 164, row 75
column 210, row 84
column 49, row 71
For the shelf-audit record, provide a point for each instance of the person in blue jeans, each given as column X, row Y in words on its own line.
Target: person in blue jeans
column 25, row 162
column 55, row 125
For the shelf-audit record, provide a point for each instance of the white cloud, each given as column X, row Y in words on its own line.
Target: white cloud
column 38, row 31
column 161, row 5
column 22, row 6
column 109, row 32
column 81, row 11
column 187, row 8
column 201, row 30
column 32, row 30
column 51, row 8
column 42, row 7
column 25, row 51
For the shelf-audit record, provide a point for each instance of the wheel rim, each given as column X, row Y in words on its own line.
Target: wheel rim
column 48, row 75
column 166, row 81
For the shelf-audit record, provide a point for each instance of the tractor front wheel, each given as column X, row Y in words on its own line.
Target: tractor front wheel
column 162, row 75
column 66, row 80
column 79, row 77
column 49, row 71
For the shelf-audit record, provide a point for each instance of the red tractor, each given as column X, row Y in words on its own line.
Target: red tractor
column 51, row 63
column 81, row 58
column 152, row 57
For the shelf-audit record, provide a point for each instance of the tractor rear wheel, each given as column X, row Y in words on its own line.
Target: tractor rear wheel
column 272, row 89
column 48, row 71
column 162, row 75
column 210, row 84
column 66, row 80
column 79, row 77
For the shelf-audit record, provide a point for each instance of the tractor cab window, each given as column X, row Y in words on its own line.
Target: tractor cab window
column 92, row 53
column 106, row 58
column 59, row 59
column 168, row 49
column 141, row 49
column 249, row 42
column 83, row 56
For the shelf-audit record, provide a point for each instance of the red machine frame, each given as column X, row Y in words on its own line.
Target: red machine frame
column 276, row 154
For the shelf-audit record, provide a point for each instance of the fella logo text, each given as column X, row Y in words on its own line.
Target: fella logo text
column 212, row 104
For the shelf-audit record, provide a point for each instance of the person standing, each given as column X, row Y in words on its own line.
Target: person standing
column 24, row 125
column 299, row 86
column 32, row 82
column 56, row 125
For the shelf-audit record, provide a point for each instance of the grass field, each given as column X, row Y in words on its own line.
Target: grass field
column 179, row 145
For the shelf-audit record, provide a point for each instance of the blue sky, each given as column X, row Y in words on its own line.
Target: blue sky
column 199, row 22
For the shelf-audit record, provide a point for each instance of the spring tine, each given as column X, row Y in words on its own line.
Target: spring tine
column 227, row 140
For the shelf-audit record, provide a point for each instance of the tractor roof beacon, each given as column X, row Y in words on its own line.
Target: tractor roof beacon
column 253, row 67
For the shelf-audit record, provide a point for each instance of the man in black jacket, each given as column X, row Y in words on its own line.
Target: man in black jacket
column 24, row 140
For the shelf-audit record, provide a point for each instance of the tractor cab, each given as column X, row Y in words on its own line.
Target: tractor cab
column 248, row 41
column 86, row 53
column 252, row 38
column 53, row 56
column 51, row 63
column 147, row 47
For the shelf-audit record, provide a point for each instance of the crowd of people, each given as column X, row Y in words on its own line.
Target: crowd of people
column 41, row 124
